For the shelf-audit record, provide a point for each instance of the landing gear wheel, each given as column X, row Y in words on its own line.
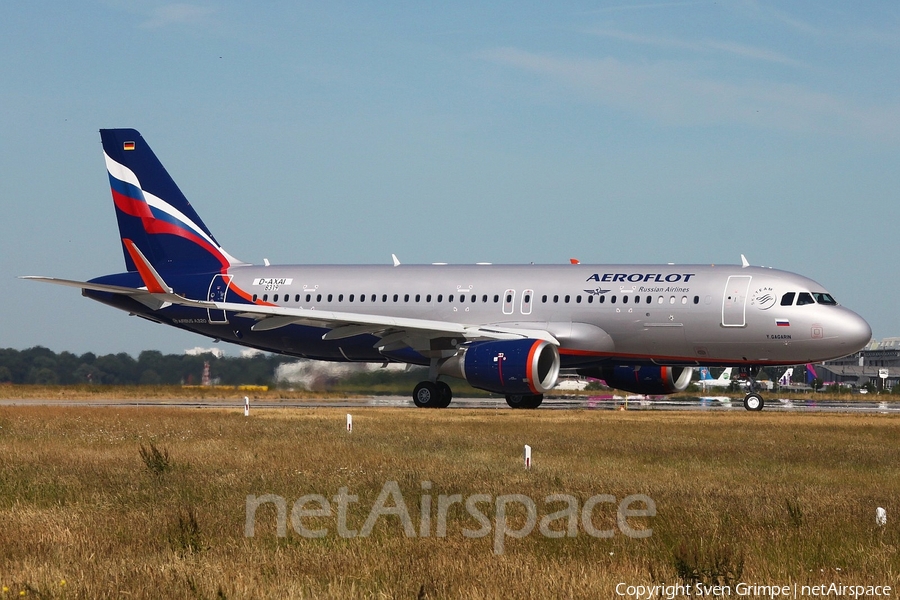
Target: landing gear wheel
column 445, row 395
column 753, row 401
column 524, row 400
column 426, row 395
column 516, row 400
column 534, row 401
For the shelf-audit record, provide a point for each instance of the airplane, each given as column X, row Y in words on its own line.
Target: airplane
column 785, row 379
column 506, row 329
column 707, row 381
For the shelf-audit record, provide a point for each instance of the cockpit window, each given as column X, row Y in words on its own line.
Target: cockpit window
column 787, row 299
column 823, row 298
column 804, row 298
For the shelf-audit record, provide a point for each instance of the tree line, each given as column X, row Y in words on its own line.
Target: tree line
column 42, row 366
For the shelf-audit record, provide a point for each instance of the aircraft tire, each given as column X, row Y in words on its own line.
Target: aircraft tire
column 754, row 402
column 516, row 400
column 524, row 400
column 445, row 395
column 426, row 395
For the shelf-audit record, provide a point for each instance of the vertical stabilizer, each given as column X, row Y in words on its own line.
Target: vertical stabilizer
column 153, row 213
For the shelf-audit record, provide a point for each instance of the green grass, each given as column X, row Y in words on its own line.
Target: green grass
column 760, row 498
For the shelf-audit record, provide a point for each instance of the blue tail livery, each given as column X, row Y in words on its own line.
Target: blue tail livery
column 153, row 213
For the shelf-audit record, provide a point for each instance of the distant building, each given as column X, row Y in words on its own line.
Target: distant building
column 198, row 351
column 867, row 364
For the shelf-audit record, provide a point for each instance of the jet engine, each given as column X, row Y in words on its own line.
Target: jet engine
column 511, row 366
column 643, row 380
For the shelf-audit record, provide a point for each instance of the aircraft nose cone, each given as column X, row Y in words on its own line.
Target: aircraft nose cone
column 857, row 333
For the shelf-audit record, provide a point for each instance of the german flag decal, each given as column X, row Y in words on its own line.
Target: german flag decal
column 128, row 146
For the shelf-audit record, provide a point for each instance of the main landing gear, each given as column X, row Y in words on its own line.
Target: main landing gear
column 753, row 400
column 432, row 395
column 524, row 400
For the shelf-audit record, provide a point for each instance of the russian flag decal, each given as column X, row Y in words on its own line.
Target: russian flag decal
column 782, row 322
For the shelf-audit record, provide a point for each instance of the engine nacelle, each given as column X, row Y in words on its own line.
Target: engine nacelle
column 511, row 366
column 644, row 380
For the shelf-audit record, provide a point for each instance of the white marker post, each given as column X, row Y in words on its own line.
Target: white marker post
column 527, row 456
column 880, row 517
column 246, row 406
column 349, row 423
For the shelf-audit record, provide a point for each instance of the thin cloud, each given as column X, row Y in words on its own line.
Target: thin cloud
column 673, row 93
column 177, row 14
column 741, row 50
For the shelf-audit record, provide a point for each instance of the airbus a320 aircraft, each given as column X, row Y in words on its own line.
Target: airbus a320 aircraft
column 505, row 329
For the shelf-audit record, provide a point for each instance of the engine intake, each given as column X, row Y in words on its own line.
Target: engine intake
column 643, row 380
column 511, row 366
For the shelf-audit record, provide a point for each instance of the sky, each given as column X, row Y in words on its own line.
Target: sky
column 505, row 132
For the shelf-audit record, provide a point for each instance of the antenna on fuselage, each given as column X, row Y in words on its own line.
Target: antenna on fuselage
column 396, row 260
column 744, row 262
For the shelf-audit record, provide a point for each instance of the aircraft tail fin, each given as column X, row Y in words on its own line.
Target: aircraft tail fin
column 726, row 375
column 153, row 214
column 786, row 378
column 704, row 374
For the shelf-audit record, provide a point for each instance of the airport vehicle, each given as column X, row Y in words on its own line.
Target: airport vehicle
column 507, row 329
column 707, row 381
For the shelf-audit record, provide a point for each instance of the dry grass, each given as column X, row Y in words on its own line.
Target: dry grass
column 760, row 498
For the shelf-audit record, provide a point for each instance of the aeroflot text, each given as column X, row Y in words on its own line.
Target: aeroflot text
column 699, row 590
column 641, row 277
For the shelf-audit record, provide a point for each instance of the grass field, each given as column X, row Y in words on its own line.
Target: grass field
column 88, row 510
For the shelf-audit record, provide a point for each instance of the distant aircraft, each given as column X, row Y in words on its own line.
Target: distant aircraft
column 706, row 380
column 507, row 329
column 785, row 379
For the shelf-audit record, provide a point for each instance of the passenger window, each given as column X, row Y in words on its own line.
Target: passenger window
column 254, row 297
column 362, row 297
column 473, row 298
column 428, row 298
column 602, row 299
column 625, row 299
column 406, row 297
column 509, row 298
column 568, row 298
column 450, row 298
column 578, row 299
column 590, row 299
column 612, row 300
column 318, row 297
column 384, row 297
column 804, row 298
column 660, row 300
column 418, row 297
column 484, row 298
column 684, row 299
column 374, row 297
column 440, row 298
column 340, row 297
column 555, row 299
column 787, row 299
column 649, row 299
column 275, row 299
column 351, row 298
column 396, row 297
column 496, row 298
column 544, row 299
column 330, row 296
column 696, row 299
column 671, row 299
column 637, row 299
column 308, row 297
column 265, row 297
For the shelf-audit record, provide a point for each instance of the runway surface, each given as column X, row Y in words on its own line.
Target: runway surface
column 705, row 403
